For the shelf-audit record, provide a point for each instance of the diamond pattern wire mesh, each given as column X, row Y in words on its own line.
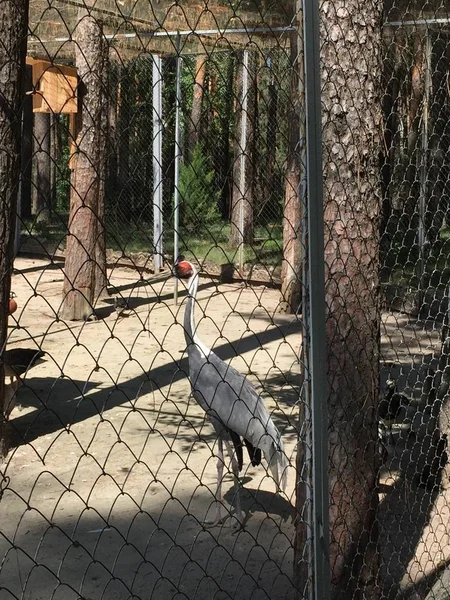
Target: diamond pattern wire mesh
column 414, row 279
column 112, row 465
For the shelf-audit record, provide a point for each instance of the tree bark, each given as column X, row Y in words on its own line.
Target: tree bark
column 41, row 186
column 55, row 153
column 242, row 198
column 13, row 32
column 113, row 138
column 125, row 90
column 197, row 102
column 225, row 152
column 270, row 193
column 351, row 77
column 85, row 268
column 27, row 147
column 291, row 286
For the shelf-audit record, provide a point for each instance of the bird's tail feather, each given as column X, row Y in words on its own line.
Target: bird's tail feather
column 253, row 453
column 278, row 464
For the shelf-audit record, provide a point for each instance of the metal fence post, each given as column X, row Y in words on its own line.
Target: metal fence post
column 242, row 158
column 317, row 358
column 157, row 162
column 176, row 196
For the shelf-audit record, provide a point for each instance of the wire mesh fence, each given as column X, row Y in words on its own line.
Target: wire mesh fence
column 414, row 280
column 124, row 478
column 169, row 205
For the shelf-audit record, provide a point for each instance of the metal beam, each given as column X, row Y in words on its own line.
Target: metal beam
column 243, row 156
column 157, row 164
column 316, row 286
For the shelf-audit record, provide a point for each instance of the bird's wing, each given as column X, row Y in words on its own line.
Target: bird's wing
column 20, row 360
column 225, row 393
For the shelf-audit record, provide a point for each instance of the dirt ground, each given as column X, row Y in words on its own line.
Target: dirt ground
column 112, row 470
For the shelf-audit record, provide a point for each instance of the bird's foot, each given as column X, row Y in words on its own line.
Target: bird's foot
column 218, row 520
column 237, row 522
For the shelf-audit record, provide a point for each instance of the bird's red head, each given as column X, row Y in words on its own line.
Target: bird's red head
column 183, row 269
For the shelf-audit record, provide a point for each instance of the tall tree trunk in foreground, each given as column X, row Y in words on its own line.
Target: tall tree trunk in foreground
column 351, row 76
column 85, row 268
column 291, row 287
column 13, row 32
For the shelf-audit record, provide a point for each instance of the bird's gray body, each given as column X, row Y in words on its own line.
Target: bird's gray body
column 230, row 400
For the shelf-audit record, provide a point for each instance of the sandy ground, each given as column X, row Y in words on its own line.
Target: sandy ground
column 112, row 465
column 112, row 469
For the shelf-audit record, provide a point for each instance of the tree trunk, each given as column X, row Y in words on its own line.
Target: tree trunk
column 113, row 139
column 13, row 32
column 85, row 268
column 101, row 278
column 197, row 102
column 225, row 154
column 27, row 147
column 41, row 186
column 242, row 224
column 123, row 137
column 271, row 188
column 351, row 77
column 291, row 287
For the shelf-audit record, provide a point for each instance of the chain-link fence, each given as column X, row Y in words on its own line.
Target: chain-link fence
column 191, row 407
column 140, row 143
column 414, row 280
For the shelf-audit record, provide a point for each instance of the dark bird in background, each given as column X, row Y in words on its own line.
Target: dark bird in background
column 235, row 409
column 16, row 363
column 12, row 303
column 121, row 307
column 390, row 406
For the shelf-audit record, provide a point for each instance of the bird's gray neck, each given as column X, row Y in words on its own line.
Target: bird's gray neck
column 189, row 323
column 190, row 334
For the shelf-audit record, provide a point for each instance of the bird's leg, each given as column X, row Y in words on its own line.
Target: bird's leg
column 239, row 515
column 220, row 464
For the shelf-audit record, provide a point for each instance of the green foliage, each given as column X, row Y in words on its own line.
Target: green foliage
column 198, row 198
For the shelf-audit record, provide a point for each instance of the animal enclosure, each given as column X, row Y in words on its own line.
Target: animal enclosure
column 267, row 181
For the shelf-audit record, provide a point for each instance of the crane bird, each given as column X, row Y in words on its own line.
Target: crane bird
column 236, row 411
column 391, row 405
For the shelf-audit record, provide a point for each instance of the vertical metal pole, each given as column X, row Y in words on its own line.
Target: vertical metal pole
column 157, row 163
column 176, row 213
column 423, row 158
column 306, row 333
column 243, row 156
column 316, row 286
